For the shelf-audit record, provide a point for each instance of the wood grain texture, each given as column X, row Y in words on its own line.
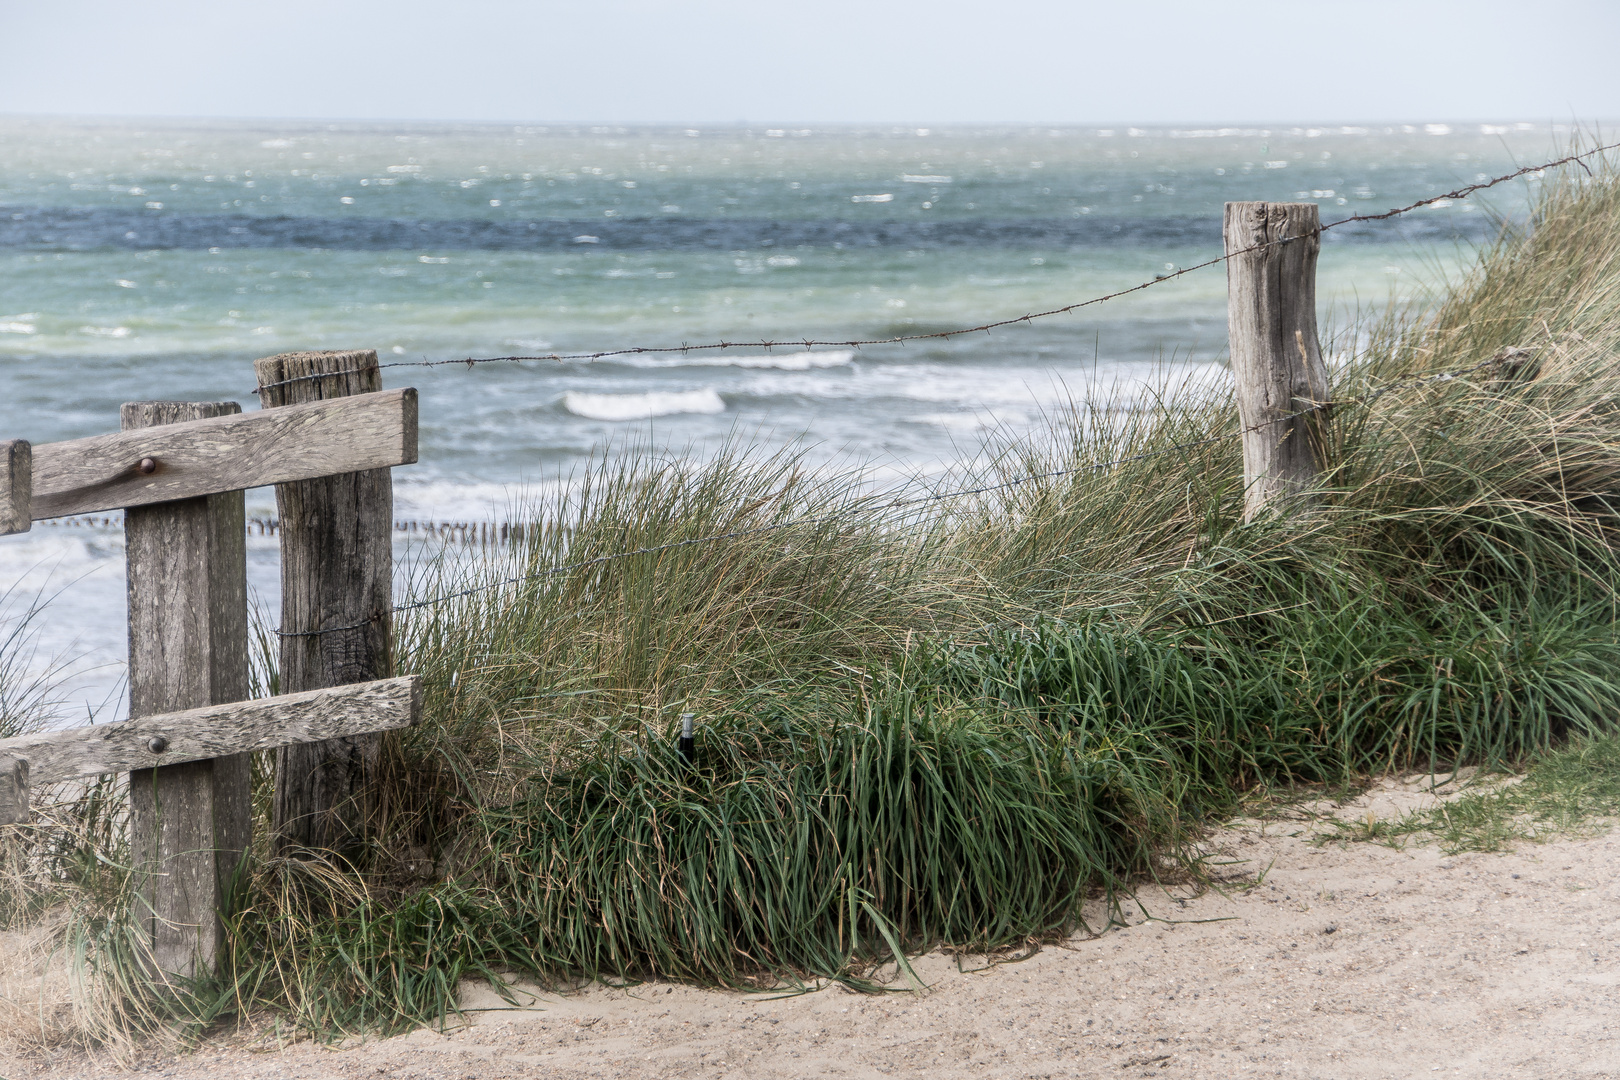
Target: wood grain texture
column 16, row 485
column 218, row 730
column 190, row 823
column 13, row 789
column 337, row 569
column 1276, row 358
column 222, row 453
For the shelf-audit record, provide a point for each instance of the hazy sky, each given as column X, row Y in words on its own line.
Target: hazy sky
column 815, row 60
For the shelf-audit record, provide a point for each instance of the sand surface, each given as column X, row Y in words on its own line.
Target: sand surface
column 1345, row 962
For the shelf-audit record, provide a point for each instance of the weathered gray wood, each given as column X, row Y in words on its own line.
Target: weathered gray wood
column 1276, row 359
column 189, row 824
column 13, row 789
column 223, row 453
column 214, row 731
column 16, row 485
column 337, row 568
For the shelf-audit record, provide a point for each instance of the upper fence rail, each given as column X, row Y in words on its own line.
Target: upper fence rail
column 980, row 328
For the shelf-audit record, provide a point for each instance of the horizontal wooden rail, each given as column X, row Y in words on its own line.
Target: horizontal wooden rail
column 214, row 731
column 206, row 457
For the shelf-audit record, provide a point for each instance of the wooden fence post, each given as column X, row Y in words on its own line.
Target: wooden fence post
column 337, row 568
column 189, row 824
column 16, row 485
column 1276, row 358
column 13, row 789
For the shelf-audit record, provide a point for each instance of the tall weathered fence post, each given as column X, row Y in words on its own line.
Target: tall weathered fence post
column 189, row 824
column 1276, row 359
column 337, row 566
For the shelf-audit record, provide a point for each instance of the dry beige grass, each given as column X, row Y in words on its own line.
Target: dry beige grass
column 36, row 999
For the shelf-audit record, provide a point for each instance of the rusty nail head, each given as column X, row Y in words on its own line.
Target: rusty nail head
column 148, row 466
column 157, row 744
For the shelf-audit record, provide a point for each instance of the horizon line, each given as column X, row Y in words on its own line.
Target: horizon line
column 773, row 124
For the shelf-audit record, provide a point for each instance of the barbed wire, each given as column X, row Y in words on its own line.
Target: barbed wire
column 866, row 506
column 981, row 328
column 876, row 503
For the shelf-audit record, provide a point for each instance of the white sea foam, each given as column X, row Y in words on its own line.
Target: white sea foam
column 436, row 497
column 910, row 178
column 798, row 361
column 887, row 197
column 18, row 328
column 642, row 406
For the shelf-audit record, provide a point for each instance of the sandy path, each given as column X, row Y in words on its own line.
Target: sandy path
column 1346, row 963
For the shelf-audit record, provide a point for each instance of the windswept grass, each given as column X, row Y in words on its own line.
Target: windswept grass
column 811, row 581
column 28, row 681
column 952, row 722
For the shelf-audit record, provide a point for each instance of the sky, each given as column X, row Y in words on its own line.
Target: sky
column 820, row 61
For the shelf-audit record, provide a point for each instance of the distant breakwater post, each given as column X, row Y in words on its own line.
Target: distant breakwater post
column 465, row 533
column 327, row 438
column 178, row 471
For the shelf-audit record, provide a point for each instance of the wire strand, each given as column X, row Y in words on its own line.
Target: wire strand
column 981, row 328
column 1366, row 399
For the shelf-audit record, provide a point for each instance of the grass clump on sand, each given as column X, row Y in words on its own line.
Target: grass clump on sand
column 1571, row 790
column 1567, row 791
column 953, row 721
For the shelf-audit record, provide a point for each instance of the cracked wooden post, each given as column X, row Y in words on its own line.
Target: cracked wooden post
column 13, row 789
column 189, row 824
column 1276, row 358
column 337, row 568
column 16, row 485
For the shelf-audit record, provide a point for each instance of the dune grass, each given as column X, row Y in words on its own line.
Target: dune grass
column 28, row 681
column 952, row 722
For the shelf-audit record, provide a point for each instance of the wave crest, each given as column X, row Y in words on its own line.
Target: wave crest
column 642, row 406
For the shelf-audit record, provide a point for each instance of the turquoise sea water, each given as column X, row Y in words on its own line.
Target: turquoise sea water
column 157, row 260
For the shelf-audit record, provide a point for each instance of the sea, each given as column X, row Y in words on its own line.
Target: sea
column 157, row 259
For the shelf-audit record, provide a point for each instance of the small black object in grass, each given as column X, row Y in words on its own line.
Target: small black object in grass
column 688, row 748
column 157, row 744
